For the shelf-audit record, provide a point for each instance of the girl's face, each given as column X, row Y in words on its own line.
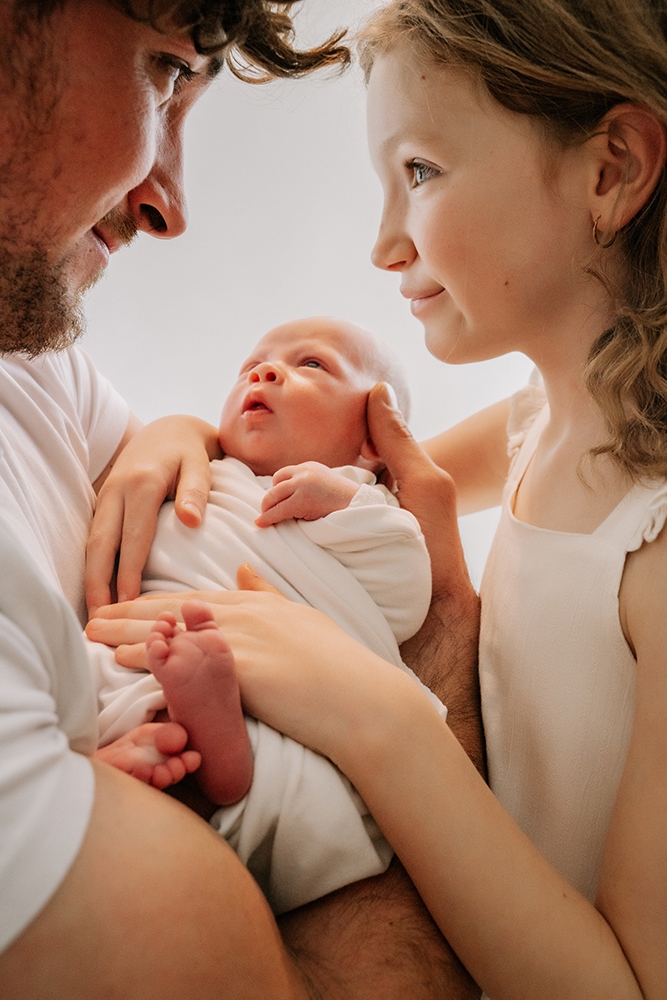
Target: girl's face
column 489, row 226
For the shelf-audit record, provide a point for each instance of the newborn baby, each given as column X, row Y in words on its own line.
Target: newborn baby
column 295, row 496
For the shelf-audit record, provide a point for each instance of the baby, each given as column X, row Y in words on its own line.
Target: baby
column 296, row 497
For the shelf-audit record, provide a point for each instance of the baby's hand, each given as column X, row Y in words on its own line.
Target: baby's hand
column 307, row 491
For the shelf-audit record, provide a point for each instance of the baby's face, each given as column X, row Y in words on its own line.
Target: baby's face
column 300, row 397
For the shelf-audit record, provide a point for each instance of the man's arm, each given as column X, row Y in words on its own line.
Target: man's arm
column 155, row 906
column 374, row 939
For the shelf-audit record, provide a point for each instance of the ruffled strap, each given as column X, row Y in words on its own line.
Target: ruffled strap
column 525, row 406
column 655, row 514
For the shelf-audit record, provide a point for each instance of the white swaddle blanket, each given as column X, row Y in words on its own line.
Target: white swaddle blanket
column 302, row 829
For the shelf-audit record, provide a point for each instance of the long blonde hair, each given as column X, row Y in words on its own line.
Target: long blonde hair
column 567, row 63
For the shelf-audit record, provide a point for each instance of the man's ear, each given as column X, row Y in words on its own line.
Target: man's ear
column 628, row 152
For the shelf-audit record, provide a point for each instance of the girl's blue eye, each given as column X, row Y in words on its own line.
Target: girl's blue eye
column 421, row 172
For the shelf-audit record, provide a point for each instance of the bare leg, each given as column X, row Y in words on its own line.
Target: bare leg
column 196, row 669
column 153, row 753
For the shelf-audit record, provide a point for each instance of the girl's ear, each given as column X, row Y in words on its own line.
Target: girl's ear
column 629, row 150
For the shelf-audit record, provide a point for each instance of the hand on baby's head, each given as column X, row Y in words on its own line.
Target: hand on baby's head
column 307, row 491
column 302, row 397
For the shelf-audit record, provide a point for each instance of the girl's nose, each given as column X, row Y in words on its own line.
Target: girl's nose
column 393, row 250
column 266, row 372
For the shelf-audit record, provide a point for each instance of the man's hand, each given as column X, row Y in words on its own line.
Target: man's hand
column 168, row 459
column 443, row 653
column 308, row 491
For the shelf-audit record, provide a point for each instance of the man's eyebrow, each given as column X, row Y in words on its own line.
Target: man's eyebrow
column 214, row 67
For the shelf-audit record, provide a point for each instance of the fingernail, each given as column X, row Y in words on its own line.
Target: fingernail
column 393, row 399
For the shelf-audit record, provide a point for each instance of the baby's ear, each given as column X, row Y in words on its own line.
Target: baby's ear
column 368, row 457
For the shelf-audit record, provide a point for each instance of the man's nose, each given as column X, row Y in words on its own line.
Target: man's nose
column 267, row 372
column 158, row 203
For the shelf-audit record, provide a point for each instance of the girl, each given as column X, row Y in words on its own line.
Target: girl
column 521, row 147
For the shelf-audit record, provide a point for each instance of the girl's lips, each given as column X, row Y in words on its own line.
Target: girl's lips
column 418, row 304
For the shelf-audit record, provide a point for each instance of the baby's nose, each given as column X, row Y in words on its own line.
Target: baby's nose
column 265, row 372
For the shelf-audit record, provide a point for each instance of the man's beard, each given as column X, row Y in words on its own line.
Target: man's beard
column 38, row 311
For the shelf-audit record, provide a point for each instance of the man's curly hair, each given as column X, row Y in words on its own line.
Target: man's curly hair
column 255, row 38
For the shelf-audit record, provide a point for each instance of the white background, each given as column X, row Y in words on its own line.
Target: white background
column 284, row 209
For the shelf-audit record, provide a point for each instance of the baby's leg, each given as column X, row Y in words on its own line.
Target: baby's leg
column 154, row 753
column 196, row 669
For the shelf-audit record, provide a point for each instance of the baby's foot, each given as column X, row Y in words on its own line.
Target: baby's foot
column 154, row 753
column 197, row 672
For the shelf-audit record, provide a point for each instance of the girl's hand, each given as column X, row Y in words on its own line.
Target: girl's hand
column 296, row 668
column 165, row 460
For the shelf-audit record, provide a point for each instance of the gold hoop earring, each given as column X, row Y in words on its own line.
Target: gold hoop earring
column 596, row 236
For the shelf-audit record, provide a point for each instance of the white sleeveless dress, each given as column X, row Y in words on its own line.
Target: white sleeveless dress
column 557, row 675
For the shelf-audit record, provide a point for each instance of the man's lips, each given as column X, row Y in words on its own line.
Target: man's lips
column 112, row 244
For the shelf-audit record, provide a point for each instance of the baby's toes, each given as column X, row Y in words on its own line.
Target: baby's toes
column 170, row 738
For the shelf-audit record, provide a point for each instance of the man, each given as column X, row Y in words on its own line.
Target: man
column 108, row 888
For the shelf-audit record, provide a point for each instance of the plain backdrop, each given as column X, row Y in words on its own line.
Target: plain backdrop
column 284, row 208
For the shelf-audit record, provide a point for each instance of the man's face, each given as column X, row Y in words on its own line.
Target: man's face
column 92, row 109
column 300, row 397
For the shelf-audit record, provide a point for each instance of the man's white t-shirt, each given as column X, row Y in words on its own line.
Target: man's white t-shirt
column 60, row 424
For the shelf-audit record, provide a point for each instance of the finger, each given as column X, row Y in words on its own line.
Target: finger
column 194, row 484
column 102, row 548
column 113, row 632
column 278, row 492
column 283, row 474
column 391, row 436
column 248, row 579
column 139, row 521
column 283, row 511
column 133, row 656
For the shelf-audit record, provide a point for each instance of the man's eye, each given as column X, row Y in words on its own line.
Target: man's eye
column 177, row 72
column 421, row 172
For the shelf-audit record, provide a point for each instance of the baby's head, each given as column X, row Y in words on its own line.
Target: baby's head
column 301, row 397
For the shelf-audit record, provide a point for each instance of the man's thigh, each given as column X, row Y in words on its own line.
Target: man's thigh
column 155, row 905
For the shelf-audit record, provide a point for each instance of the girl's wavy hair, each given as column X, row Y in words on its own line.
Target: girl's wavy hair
column 255, row 38
column 567, row 63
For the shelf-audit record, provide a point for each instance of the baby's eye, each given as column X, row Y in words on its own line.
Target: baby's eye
column 421, row 172
column 311, row 363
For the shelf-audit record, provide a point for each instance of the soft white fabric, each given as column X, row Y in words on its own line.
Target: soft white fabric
column 47, row 724
column 60, row 423
column 557, row 676
column 302, row 829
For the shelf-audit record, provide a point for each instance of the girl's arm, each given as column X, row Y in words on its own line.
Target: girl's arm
column 474, row 453
column 633, row 886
